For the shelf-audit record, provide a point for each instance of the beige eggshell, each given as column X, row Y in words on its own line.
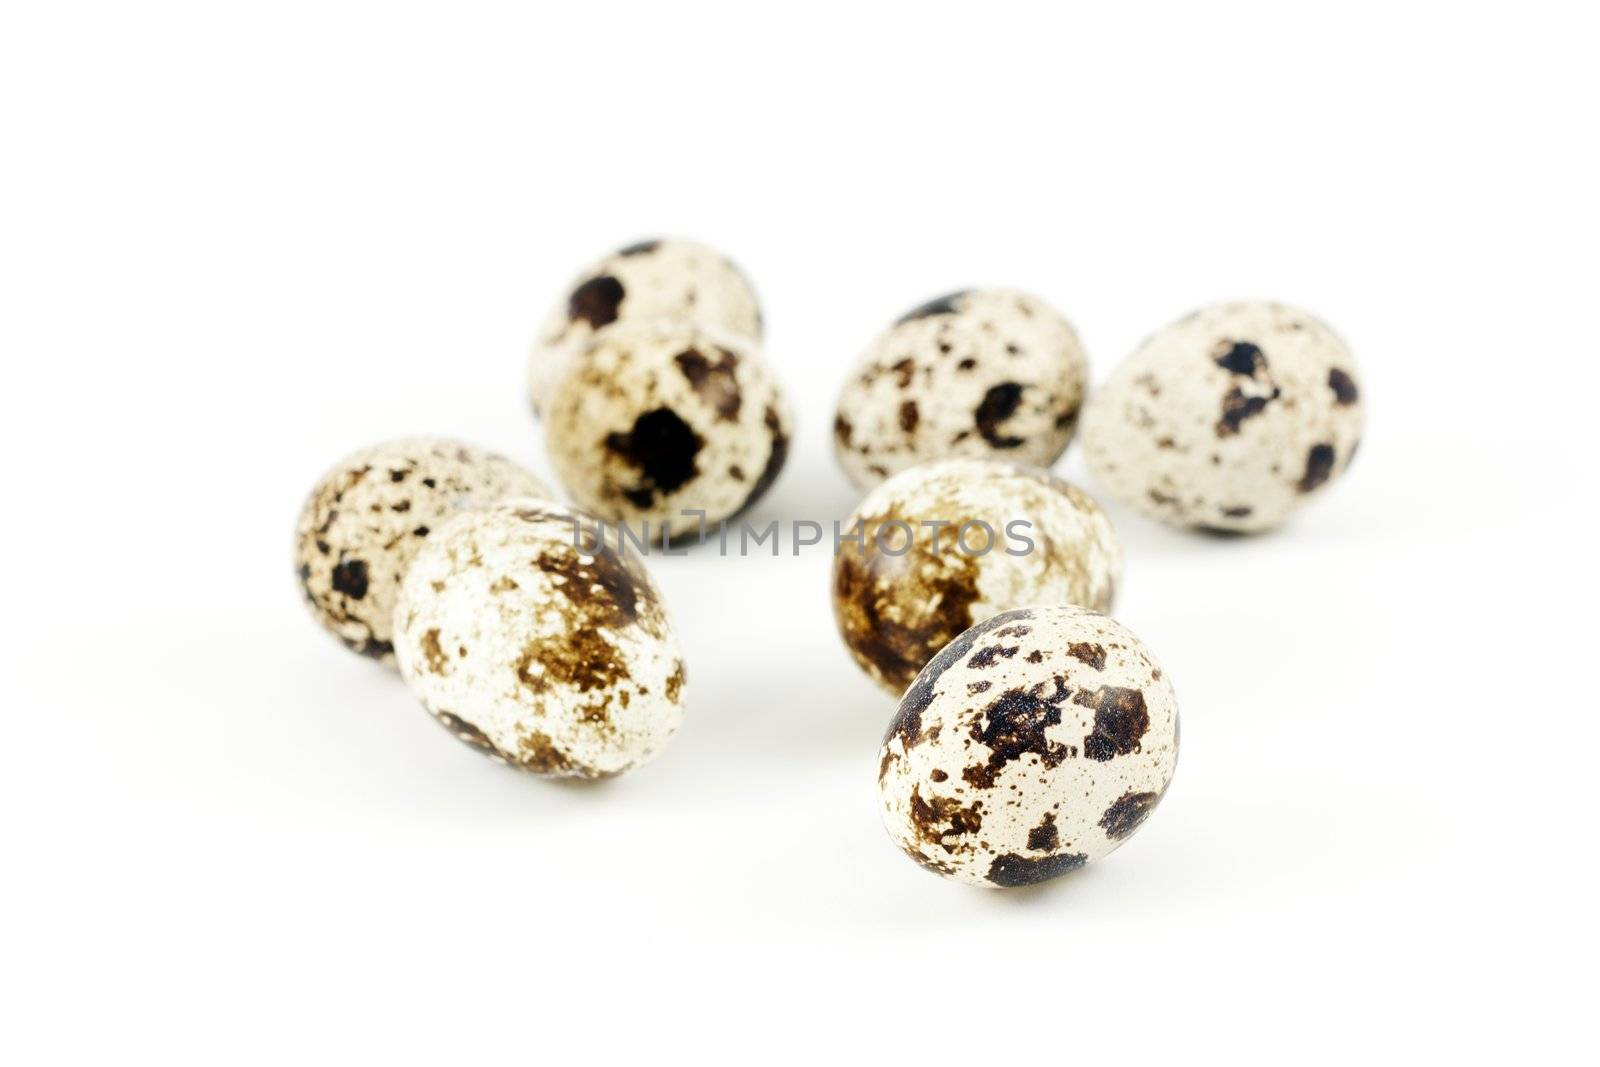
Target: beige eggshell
column 534, row 643
column 1229, row 419
column 368, row 517
column 658, row 418
column 982, row 373
column 669, row 278
column 902, row 593
column 1036, row 742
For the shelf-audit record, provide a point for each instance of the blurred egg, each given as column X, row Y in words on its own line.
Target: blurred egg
column 669, row 278
column 950, row 543
column 655, row 419
column 1228, row 419
column 538, row 645
column 368, row 517
column 993, row 373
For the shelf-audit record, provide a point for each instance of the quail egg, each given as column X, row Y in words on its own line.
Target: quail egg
column 542, row 646
column 658, row 418
column 368, row 516
column 948, row 544
column 1037, row 741
column 1228, row 419
column 976, row 373
column 669, row 278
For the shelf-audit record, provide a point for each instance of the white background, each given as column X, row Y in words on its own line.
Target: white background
column 240, row 241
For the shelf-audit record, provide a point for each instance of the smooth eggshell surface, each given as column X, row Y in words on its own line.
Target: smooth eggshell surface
column 657, row 418
column 670, row 278
column 899, row 597
column 1036, row 742
column 368, row 517
column 1228, row 419
column 977, row 373
column 535, row 644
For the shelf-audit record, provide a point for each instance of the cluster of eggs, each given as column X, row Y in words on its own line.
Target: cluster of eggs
column 1034, row 732
column 522, row 628
column 521, row 633
column 659, row 409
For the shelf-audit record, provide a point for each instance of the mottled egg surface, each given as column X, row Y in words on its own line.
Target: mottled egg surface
column 531, row 641
column 668, row 278
column 657, row 418
column 976, row 373
column 1037, row 741
column 948, row 544
column 368, row 517
column 1228, row 419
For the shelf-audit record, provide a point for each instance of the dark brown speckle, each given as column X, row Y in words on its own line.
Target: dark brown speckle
column 1014, row 726
column 597, row 301
column 1240, row 357
column 1237, row 408
column 715, row 381
column 1319, row 467
column 350, row 578
column 943, row 305
column 999, row 403
column 1344, row 388
column 907, row 722
column 1014, row 870
column 1120, row 720
column 1086, row 652
column 1045, row 837
column 908, row 416
column 662, row 447
column 1130, row 810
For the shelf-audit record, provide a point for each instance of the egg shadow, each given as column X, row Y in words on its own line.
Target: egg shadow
column 811, row 486
column 808, row 712
column 770, row 681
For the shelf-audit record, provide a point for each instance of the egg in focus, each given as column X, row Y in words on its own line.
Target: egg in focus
column 1036, row 742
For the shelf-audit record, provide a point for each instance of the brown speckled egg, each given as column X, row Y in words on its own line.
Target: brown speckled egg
column 978, row 537
column 656, row 418
column 542, row 647
column 368, row 516
column 1228, row 419
column 670, row 278
column 1034, row 743
column 980, row 373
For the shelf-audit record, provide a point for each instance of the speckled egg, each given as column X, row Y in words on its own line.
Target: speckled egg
column 657, row 418
column 1035, row 742
column 534, row 642
column 669, row 278
column 367, row 518
column 949, row 544
column 977, row 373
column 1228, row 419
